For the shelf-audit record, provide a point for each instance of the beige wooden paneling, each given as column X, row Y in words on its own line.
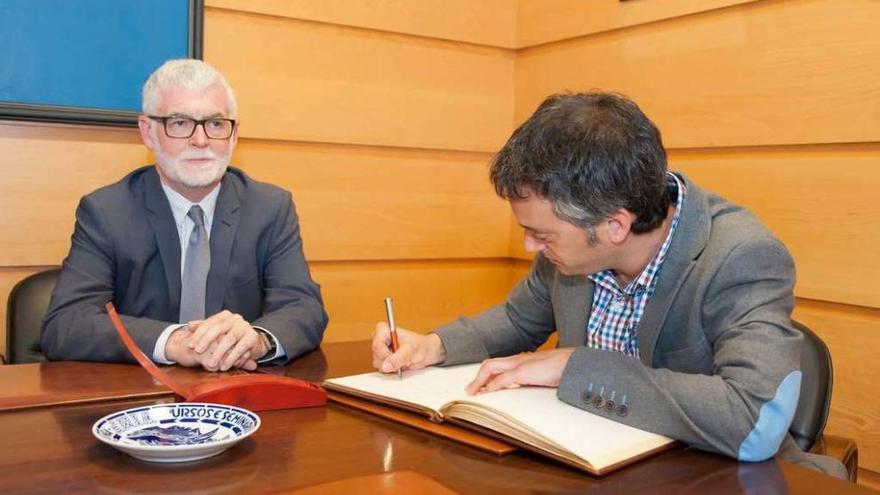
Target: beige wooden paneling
column 355, row 202
column 819, row 200
column 542, row 21
column 46, row 170
column 853, row 336
column 487, row 22
column 305, row 81
column 776, row 72
column 869, row 479
column 426, row 293
column 359, row 203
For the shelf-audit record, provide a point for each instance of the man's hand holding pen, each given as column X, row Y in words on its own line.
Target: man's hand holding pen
column 416, row 351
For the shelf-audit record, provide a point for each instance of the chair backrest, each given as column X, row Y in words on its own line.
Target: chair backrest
column 816, row 384
column 27, row 305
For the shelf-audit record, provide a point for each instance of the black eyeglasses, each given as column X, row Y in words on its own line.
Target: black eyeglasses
column 180, row 127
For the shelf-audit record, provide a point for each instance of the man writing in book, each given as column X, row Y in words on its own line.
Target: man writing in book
column 204, row 264
column 672, row 305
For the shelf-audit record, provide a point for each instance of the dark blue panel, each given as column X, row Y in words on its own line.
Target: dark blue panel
column 87, row 53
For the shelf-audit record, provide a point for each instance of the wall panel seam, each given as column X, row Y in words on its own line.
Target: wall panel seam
column 452, row 43
column 616, row 30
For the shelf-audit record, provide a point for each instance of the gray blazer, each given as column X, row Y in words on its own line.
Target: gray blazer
column 719, row 358
column 125, row 248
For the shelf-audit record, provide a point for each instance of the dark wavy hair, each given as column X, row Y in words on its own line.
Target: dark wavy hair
column 589, row 154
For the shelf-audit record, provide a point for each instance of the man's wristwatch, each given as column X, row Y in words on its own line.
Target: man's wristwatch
column 269, row 342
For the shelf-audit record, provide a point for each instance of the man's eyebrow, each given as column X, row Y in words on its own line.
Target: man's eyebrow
column 215, row 115
column 533, row 229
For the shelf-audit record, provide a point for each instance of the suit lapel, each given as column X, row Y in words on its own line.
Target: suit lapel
column 165, row 230
column 223, row 229
column 688, row 242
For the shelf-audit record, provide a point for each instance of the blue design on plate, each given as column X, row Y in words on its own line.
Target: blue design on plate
column 179, row 432
column 171, row 435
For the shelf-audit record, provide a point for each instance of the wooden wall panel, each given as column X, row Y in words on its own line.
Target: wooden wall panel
column 543, row 21
column 869, row 479
column 853, row 336
column 486, row 22
column 359, row 203
column 426, row 293
column 46, row 171
column 355, row 202
column 776, row 72
column 819, row 200
column 304, row 81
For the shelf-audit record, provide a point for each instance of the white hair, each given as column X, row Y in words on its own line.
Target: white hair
column 192, row 74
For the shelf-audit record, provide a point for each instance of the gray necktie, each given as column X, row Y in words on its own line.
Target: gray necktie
column 195, row 269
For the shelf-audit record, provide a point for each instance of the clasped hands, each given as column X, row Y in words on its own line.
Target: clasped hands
column 217, row 343
column 418, row 351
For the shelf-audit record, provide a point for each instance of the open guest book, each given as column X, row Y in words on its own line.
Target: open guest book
column 531, row 417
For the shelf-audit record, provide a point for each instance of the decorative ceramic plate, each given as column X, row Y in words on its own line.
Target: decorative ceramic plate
column 185, row 431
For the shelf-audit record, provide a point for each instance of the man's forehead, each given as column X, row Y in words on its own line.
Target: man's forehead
column 534, row 212
column 179, row 100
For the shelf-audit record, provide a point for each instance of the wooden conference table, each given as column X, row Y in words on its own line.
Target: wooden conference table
column 46, row 446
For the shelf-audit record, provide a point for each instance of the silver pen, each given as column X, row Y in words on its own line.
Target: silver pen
column 395, row 345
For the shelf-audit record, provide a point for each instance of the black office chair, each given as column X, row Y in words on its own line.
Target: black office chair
column 814, row 404
column 27, row 305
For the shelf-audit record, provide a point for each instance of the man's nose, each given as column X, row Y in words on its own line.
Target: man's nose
column 533, row 245
column 199, row 137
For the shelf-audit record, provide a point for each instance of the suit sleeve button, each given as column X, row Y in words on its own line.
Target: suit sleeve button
column 609, row 406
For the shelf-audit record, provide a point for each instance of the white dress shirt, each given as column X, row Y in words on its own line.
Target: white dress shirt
column 180, row 206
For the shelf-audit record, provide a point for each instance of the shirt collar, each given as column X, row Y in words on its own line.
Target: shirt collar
column 644, row 281
column 180, row 205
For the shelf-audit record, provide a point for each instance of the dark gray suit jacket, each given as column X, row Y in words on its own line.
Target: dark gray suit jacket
column 125, row 248
column 719, row 358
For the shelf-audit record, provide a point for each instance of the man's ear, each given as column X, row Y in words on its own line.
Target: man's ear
column 146, row 136
column 619, row 224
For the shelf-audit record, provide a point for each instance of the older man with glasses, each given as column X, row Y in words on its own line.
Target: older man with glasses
column 204, row 264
